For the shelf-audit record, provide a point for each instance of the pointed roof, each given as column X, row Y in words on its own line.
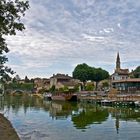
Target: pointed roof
column 118, row 57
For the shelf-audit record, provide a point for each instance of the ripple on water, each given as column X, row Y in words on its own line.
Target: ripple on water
column 33, row 135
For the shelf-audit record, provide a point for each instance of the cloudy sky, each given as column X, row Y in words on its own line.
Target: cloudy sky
column 63, row 33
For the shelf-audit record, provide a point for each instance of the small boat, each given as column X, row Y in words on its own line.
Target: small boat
column 47, row 96
column 137, row 103
column 106, row 102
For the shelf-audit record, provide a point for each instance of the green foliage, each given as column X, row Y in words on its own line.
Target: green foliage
column 53, row 89
column 136, row 72
column 43, row 90
column 100, row 74
column 10, row 22
column 81, row 72
column 105, row 84
column 89, row 87
column 66, row 88
column 61, row 89
column 76, row 88
column 84, row 72
column 20, row 86
column 89, row 116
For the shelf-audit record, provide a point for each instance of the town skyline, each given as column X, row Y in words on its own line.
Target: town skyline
column 61, row 34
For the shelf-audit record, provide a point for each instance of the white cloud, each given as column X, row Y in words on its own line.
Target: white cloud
column 60, row 35
column 119, row 25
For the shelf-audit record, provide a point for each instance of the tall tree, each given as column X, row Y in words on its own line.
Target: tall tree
column 81, row 72
column 11, row 12
column 136, row 72
column 84, row 72
column 100, row 74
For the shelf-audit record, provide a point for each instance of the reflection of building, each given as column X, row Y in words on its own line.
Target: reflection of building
column 60, row 110
column 121, row 80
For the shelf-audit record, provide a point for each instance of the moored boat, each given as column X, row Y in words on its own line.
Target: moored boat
column 137, row 103
column 47, row 96
column 106, row 102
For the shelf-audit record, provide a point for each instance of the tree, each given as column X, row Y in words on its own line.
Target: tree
column 89, row 86
column 105, row 84
column 83, row 72
column 11, row 12
column 136, row 72
column 52, row 89
column 100, row 74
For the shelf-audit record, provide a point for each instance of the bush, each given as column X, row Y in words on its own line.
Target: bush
column 89, row 87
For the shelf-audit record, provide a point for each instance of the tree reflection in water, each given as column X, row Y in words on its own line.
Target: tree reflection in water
column 81, row 115
column 89, row 116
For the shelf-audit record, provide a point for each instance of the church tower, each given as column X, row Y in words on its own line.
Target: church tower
column 118, row 63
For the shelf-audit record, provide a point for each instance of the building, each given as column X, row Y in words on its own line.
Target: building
column 119, row 74
column 62, row 80
column 41, row 83
column 130, row 85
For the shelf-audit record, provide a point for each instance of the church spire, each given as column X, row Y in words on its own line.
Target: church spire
column 118, row 62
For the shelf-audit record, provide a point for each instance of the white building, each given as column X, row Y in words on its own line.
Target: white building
column 119, row 74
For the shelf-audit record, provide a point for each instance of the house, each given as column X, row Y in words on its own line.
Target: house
column 62, row 80
column 41, row 83
column 128, row 85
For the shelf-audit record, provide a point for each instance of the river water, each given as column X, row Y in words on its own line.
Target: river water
column 37, row 119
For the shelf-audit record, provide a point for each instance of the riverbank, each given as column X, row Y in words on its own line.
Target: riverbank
column 7, row 132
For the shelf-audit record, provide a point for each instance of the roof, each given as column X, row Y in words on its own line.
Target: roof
column 127, row 80
column 122, row 71
column 61, row 76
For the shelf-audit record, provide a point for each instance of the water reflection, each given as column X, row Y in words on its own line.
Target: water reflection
column 62, row 110
column 81, row 116
column 16, row 103
column 88, row 115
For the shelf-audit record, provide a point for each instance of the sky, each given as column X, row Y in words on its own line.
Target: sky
column 63, row 33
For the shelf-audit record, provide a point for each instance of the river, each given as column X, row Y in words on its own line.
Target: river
column 37, row 119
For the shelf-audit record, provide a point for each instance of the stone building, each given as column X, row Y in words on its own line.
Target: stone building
column 62, row 80
column 41, row 83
